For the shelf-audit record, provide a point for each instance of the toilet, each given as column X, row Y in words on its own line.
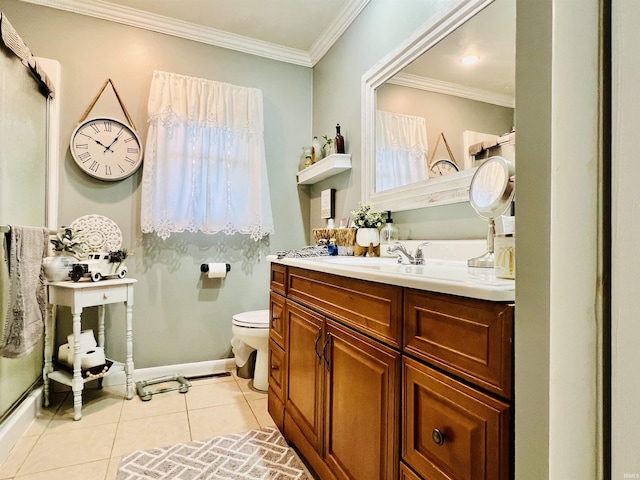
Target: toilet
column 252, row 329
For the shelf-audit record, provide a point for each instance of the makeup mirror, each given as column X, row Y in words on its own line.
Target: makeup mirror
column 490, row 194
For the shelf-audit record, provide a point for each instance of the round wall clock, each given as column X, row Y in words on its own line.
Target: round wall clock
column 106, row 148
column 442, row 167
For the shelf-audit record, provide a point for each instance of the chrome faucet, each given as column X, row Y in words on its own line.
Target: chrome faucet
column 419, row 258
column 405, row 257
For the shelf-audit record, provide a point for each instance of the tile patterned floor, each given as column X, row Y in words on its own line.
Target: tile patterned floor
column 57, row 447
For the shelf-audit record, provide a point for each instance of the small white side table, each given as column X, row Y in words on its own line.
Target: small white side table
column 78, row 295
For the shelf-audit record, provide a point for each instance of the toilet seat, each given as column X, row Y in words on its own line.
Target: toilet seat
column 252, row 319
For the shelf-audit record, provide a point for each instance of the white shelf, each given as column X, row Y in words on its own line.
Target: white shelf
column 325, row 168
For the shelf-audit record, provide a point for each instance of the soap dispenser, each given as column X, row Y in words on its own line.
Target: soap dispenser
column 389, row 232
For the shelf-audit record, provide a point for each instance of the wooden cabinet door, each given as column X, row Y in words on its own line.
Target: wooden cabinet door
column 362, row 415
column 305, row 372
column 277, row 316
column 451, row 431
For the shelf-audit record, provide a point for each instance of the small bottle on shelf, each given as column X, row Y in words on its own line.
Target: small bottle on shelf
column 339, row 140
column 316, row 146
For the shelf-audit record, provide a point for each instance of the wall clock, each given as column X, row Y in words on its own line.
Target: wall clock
column 106, row 148
column 442, row 167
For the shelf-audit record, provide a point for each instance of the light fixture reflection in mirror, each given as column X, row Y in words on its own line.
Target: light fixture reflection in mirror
column 490, row 194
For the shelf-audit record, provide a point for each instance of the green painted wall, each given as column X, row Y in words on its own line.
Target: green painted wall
column 178, row 317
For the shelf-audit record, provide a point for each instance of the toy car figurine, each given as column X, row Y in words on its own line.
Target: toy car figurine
column 99, row 265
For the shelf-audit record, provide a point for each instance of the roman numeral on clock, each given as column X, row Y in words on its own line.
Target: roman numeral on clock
column 84, row 157
column 94, row 166
column 107, row 170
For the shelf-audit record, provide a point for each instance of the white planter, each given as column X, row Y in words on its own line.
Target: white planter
column 57, row 268
column 368, row 236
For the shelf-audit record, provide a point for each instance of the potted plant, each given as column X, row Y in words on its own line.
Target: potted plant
column 367, row 221
column 67, row 250
column 66, row 244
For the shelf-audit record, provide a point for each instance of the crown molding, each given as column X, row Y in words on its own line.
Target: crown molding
column 178, row 28
column 447, row 88
column 345, row 17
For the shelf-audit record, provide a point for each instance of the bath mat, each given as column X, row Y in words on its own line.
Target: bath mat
column 257, row 454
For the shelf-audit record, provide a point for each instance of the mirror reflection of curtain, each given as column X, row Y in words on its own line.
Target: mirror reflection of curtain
column 205, row 166
column 401, row 150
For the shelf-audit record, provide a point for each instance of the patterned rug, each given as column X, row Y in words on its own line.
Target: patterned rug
column 257, row 454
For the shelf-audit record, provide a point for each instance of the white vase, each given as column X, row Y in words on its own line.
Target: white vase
column 368, row 236
column 57, row 268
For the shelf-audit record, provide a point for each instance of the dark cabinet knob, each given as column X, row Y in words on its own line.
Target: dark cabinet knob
column 437, row 436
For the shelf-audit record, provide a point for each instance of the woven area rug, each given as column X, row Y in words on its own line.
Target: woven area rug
column 257, row 454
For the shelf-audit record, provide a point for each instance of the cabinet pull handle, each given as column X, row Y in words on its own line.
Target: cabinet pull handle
column 315, row 347
column 324, row 351
column 274, row 368
column 438, row 437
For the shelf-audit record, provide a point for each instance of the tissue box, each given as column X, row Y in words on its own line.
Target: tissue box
column 345, row 237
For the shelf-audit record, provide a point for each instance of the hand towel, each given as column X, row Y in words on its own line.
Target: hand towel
column 24, row 324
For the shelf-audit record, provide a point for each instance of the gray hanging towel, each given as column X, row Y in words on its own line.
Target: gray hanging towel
column 24, row 324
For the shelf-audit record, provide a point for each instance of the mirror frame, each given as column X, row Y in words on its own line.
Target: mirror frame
column 427, row 193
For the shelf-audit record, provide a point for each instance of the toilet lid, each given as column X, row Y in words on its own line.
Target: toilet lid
column 253, row 319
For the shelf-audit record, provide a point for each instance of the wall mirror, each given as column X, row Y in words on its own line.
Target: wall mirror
column 422, row 108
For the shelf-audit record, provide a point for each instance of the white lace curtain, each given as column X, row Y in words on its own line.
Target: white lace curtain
column 205, row 166
column 401, row 150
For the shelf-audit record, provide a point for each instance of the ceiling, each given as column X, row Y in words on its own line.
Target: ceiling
column 302, row 31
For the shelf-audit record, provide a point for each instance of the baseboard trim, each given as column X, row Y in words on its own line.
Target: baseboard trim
column 19, row 421
column 15, row 426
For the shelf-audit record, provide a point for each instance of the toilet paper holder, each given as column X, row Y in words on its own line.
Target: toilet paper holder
column 204, row 268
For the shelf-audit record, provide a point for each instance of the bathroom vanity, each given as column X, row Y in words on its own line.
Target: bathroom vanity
column 387, row 371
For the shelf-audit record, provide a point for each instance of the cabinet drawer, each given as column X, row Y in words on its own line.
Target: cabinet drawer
column 371, row 308
column 279, row 278
column 451, row 431
column 469, row 338
column 277, row 321
column 277, row 371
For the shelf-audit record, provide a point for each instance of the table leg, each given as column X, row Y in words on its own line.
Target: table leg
column 101, row 312
column 77, row 384
column 49, row 328
column 128, row 366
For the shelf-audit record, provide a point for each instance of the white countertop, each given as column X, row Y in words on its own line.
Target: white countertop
column 442, row 276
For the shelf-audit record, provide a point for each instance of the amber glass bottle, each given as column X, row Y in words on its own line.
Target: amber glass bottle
column 339, row 140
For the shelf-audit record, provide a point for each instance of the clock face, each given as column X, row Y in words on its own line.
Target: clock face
column 441, row 168
column 106, row 148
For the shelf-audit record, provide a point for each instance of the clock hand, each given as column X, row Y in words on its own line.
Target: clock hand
column 98, row 142
column 114, row 141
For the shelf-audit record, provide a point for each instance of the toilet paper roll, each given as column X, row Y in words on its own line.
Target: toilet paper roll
column 65, row 354
column 93, row 358
column 87, row 341
column 217, row 270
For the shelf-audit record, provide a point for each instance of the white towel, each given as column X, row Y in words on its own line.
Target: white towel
column 24, row 324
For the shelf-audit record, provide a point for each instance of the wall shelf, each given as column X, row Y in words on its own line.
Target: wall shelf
column 325, row 168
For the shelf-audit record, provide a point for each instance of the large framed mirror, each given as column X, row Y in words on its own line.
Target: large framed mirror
column 424, row 110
